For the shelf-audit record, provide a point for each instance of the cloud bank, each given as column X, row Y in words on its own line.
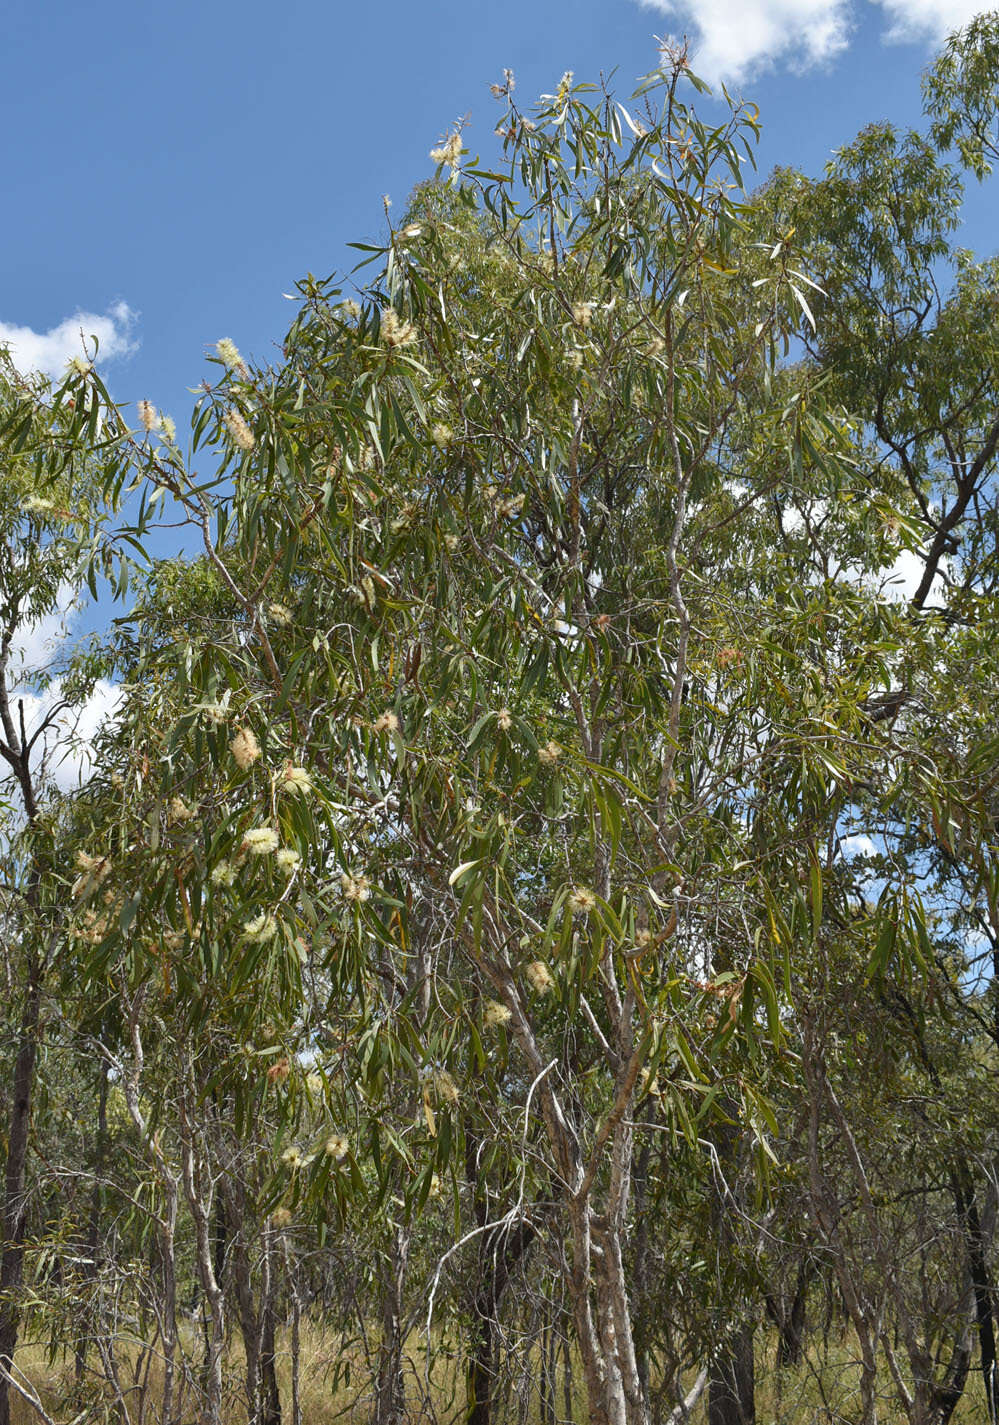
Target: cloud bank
column 735, row 39
column 67, row 752
column 48, row 352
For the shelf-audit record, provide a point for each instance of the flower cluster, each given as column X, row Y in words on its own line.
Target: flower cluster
column 447, row 1089
column 245, row 748
column 395, row 331
column 242, row 435
column 148, row 419
column 355, row 888
column 93, row 870
column 261, row 928
column 495, row 1014
column 582, row 900
column 295, row 779
column 260, row 841
column 449, row 151
column 549, row 754
column 37, row 505
column 229, row 352
column 178, row 811
column 539, row 977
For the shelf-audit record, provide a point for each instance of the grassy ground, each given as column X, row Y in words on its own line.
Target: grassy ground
column 334, row 1388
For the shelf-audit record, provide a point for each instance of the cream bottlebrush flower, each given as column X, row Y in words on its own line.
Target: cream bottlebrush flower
column 229, row 352
column 504, row 719
column 350, row 308
column 495, row 1014
column 262, row 927
column 214, row 712
column 336, row 1146
column 385, row 722
column 293, row 1157
column 355, row 888
column 148, row 419
column 178, row 811
column 539, row 977
column 281, row 1217
column 169, row 429
column 37, row 505
column 93, row 870
column 280, row 615
column 447, row 1089
column 549, row 754
column 260, row 841
column 582, row 314
column 442, row 435
column 242, row 435
column 409, row 233
column 395, row 331
column 245, row 748
column 576, row 359
column 582, row 900
column 656, row 347
column 287, row 859
column 451, row 543
column 295, row 779
column 510, row 507
column 223, row 874
column 80, row 365
column 449, row 151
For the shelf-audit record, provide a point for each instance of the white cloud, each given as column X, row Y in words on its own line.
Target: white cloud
column 68, row 755
column 858, row 845
column 49, row 351
column 35, row 644
column 735, row 39
column 927, row 19
column 64, row 752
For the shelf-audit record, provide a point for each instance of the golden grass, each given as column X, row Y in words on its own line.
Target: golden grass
column 335, row 1387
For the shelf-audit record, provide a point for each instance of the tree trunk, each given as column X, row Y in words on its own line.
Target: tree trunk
column 390, row 1401
column 13, row 1213
column 975, row 1246
column 731, row 1386
column 93, row 1228
column 269, row 1406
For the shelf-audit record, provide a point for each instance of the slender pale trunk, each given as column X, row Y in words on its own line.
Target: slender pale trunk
column 16, row 748
column 93, row 1227
column 198, row 1191
column 390, row 1402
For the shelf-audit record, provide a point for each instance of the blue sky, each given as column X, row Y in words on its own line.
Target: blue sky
column 170, row 170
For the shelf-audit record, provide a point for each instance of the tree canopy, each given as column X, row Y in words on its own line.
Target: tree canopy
column 532, row 915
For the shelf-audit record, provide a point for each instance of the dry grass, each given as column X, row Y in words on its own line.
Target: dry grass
column 335, row 1387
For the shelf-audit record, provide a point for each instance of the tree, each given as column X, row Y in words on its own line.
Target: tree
column 60, row 487
column 463, row 889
